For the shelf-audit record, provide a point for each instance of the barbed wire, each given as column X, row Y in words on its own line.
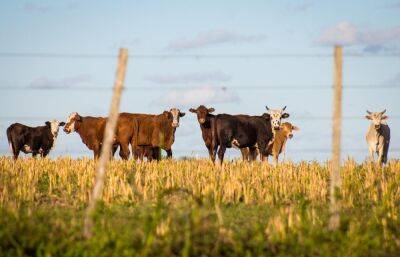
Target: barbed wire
column 235, row 87
column 191, row 56
column 361, row 117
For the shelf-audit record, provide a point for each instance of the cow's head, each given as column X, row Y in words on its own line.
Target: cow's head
column 377, row 118
column 176, row 114
column 276, row 116
column 288, row 129
column 202, row 113
column 54, row 126
column 72, row 119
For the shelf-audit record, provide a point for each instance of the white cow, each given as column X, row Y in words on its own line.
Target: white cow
column 378, row 136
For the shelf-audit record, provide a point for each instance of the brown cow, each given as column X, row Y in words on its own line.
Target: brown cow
column 281, row 136
column 90, row 129
column 206, row 121
column 156, row 131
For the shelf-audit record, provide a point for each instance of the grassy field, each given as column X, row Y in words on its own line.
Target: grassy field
column 191, row 208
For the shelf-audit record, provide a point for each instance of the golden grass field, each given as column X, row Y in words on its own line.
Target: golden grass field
column 284, row 204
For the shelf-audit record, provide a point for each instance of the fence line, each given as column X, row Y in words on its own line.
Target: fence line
column 190, row 56
column 152, row 88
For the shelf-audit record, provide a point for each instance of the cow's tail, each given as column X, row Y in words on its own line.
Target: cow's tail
column 9, row 139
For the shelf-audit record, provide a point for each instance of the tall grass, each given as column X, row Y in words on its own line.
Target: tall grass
column 192, row 207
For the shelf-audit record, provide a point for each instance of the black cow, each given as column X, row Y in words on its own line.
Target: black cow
column 241, row 131
column 35, row 140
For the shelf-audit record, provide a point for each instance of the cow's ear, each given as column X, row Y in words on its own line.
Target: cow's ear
column 48, row 124
column 384, row 117
column 78, row 117
column 192, row 110
column 181, row 114
column 368, row 117
column 210, row 110
column 62, row 124
column 295, row 128
column 285, row 115
column 266, row 116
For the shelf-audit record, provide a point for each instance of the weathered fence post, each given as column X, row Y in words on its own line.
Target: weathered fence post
column 335, row 180
column 107, row 141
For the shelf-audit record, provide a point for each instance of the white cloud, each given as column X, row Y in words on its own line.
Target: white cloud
column 343, row 33
column 347, row 34
column 193, row 77
column 213, row 37
column 197, row 96
column 302, row 7
column 35, row 7
column 44, row 82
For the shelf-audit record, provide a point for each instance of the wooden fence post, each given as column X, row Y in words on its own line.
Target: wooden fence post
column 107, row 141
column 335, row 180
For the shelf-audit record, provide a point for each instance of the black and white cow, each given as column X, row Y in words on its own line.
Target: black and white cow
column 35, row 140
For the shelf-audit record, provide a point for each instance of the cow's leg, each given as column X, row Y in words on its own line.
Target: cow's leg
column 253, row 153
column 380, row 156
column 15, row 150
column 156, row 152
column 371, row 154
column 169, row 153
column 276, row 156
column 124, row 151
column 210, row 152
column 96, row 152
column 114, row 149
column 221, row 153
column 245, row 153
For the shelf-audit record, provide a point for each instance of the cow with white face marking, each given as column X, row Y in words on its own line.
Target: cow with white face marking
column 155, row 132
column 276, row 116
column 36, row 140
column 378, row 136
column 90, row 129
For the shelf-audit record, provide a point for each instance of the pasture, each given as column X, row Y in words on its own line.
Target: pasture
column 193, row 208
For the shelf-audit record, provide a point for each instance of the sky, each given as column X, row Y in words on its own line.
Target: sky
column 59, row 57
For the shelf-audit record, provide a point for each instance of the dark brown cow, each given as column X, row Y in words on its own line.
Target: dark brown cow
column 35, row 140
column 206, row 121
column 90, row 129
column 156, row 131
column 241, row 131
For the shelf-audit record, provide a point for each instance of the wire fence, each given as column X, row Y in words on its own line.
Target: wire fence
column 99, row 87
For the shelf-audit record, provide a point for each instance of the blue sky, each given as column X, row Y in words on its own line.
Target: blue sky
column 38, row 89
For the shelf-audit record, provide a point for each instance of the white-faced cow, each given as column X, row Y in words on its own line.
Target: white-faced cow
column 155, row 132
column 378, row 136
column 35, row 140
column 90, row 129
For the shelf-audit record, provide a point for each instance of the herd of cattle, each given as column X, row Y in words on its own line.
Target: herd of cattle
column 147, row 134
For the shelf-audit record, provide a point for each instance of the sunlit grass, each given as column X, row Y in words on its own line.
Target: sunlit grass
column 191, row 207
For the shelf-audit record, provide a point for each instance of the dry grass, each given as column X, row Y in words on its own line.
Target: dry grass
column 68, row 182
column 193, row 208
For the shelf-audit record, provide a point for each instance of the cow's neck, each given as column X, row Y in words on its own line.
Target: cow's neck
column 207, row 123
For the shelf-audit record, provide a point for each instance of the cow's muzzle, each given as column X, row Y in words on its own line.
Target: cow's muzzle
column 377, row 126
column 202, row 121
column 175, row 125
column 290, row 136
column 277, row 128
column 66, row 130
